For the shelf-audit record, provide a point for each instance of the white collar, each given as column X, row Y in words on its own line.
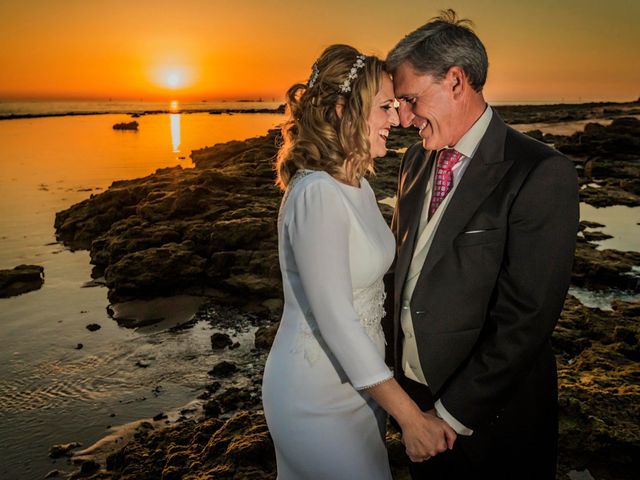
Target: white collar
column 469, row 142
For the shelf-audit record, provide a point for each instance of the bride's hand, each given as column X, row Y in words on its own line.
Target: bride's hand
column 423, row 433
column 426, row 436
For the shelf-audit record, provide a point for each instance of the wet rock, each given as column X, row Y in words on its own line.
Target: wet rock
column 599, row 393
column 223, row 369
column 125, row 238
column 212, row 408
column 626, row 309
column 213, row 387
column 220, row 341
column 245, row 441
column 188, row 411
column 79, row 346
column 79, row 225
column 595, row 236
column 232, row 399
column 92, row 327
column 587, row 224
column 137, row 322
column 265, row 336
column 160, row 416
column 253, row 283
column 607, row 195
column 274, row 305
column 609, row 157
column 160, row 270
column 602, row 269
column 89, row 467
column 535, row 134
column 63, row 449
column 238, row 448
column 21, row 279
column 126, row 126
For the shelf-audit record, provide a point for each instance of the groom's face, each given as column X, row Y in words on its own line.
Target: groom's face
column 427, row 104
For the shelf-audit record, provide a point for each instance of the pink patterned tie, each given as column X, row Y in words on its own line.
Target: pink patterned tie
column 447, row 158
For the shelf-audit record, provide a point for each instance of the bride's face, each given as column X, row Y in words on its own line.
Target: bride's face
column 383, row 115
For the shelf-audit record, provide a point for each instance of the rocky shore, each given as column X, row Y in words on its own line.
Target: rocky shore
column 211, row 230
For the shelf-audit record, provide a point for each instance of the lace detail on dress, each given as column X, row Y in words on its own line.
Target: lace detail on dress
column 308, row 340
column 369, row 305
column 299, row 175
column 380, row 382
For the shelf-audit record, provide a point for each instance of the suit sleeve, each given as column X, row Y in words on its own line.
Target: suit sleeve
column 319, row 236
column 528, row 296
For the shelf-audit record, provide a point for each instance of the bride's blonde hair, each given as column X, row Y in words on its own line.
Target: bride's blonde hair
column 327, row 127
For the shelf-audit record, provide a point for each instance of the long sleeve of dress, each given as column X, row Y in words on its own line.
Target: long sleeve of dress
column 318, row 231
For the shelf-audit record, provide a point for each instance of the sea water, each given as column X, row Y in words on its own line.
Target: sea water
column 50, row 391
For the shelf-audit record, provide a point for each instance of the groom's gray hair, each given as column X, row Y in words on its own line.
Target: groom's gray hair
column 443, row 42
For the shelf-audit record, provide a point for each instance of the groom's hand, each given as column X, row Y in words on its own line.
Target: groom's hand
column 450, row 433
column 427, row 436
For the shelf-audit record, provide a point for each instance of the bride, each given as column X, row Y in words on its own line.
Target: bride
column 326, row 387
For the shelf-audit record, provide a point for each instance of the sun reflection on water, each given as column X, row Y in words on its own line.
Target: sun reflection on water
column 175, row 131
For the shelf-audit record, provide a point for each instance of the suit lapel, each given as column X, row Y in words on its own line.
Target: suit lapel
column 485, row 170
column 410, row 208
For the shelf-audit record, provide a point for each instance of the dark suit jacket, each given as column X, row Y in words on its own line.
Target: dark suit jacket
column 486, row 303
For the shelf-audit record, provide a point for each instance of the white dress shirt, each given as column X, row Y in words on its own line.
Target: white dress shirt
column 467, row 146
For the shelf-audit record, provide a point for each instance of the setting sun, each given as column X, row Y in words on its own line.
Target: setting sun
column 172, row 77
column 174, row 80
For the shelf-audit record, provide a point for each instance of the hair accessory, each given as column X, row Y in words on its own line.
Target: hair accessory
column 314, row 75
column 345, row 86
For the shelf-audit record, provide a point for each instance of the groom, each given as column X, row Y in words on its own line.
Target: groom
column 486, row 222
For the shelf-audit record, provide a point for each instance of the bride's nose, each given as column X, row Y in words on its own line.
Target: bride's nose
column 393, row 117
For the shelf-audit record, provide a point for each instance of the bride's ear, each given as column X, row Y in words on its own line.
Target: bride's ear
column 339, row 108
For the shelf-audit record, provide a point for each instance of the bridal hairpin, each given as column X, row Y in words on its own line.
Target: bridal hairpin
column 345, row 87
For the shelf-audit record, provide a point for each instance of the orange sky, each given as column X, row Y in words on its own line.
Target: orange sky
column 572, row 50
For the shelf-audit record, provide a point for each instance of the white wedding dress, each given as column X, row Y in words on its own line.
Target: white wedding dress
column 334, row 249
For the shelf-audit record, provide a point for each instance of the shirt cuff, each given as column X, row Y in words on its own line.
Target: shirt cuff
column 451, row 420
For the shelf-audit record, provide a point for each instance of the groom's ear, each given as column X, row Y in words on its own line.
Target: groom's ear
column 456, row 80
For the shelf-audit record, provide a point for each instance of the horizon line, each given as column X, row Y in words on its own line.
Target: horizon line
column 260, row 99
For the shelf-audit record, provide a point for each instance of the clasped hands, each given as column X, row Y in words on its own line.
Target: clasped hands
column 426, row 436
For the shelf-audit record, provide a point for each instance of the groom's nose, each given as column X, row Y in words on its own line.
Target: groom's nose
column 405, row 113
